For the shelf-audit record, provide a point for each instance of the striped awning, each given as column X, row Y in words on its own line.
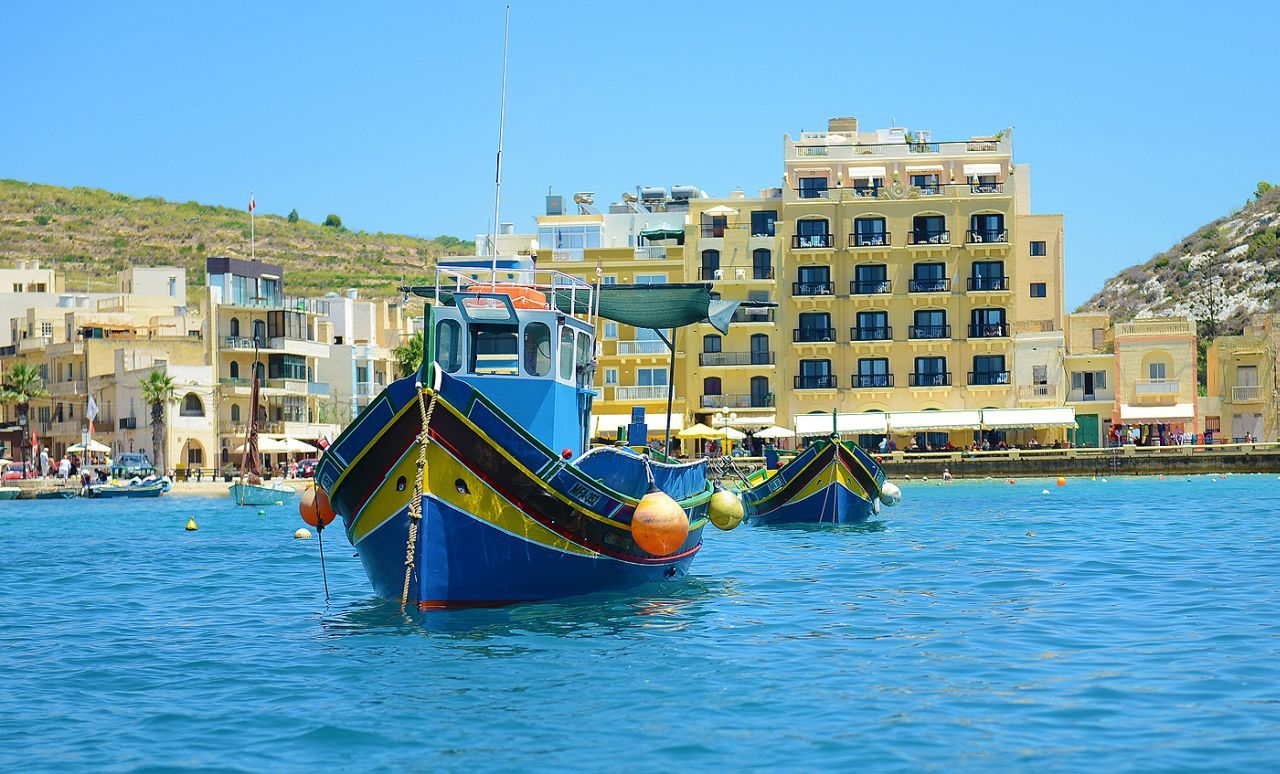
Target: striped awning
column 871, row 422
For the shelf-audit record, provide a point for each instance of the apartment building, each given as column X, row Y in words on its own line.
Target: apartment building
column 1243, row 398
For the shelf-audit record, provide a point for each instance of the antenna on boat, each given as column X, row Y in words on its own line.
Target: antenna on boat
column 497, row 187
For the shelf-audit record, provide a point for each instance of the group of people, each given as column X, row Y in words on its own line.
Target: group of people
column 67, row 467
column 1158, row 435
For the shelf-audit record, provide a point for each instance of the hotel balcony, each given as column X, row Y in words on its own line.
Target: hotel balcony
column 932, row 285
column 989, row 331
column 1246, row 394
column 813, row 288
column 66, row 389
column 754, row 314
column 735, row 358
column 276, row 344
column 870, row 287
column 736, row 400
column 640, row 392
column 928, row 238
column 651, row 253
column 871, row 333
column 930, row 380
column 878, row 239
column 643, row 347
column 989, row 378
column 929, row 332
column 1156, row 387
column 986, row 188
column 987, row 284
column 872, row 381
column 1038, row 392
column 987, row 236
column 813, row 335
column 812, row 241
column 815, row 382
column 737, row 273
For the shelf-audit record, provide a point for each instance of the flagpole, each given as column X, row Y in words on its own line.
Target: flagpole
column 253, row 250
column 502, row 116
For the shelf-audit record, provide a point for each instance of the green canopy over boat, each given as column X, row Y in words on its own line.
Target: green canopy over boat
column 660, row 306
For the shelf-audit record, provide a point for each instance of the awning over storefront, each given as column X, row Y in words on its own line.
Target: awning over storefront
column 982, row 169
column 858, row 173
column 1028, row 418
column 820, row 424
column 608, row 424
column 922, row 421
column 1179, row 412
column 925, row 168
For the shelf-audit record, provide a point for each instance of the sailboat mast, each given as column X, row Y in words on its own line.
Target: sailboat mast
column 497, row 189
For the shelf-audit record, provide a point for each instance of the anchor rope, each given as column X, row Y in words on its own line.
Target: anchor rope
column 425, row 410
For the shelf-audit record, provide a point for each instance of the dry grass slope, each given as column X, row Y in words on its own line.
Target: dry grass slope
column 91, row 234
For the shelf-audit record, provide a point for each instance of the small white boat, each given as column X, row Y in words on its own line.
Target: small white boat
column 9, row 492
column 261, row 494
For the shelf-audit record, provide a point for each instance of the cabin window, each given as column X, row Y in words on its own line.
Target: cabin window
column 566, row 354
column 494, row 350
column 448, row 345
column 537, row 349
column 584, row 358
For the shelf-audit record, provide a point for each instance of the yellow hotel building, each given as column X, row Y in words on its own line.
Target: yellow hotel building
column 909, row 275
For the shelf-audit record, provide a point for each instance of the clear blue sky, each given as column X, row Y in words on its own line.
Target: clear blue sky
column 1141, row 122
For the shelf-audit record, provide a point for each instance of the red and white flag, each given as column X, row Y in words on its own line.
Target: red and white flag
column 252, row 204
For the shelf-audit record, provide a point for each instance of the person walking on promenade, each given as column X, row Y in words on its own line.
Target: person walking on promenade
column 44, row 462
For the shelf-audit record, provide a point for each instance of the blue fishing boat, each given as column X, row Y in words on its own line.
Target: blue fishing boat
column 147, row 489
column 471, row 483
column 830, row 482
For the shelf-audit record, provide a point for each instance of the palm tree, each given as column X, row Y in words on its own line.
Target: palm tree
column 23, row 384
column 409, row 355
column 157, row 390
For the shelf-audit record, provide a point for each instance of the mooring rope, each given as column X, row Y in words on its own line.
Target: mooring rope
column 425, row 410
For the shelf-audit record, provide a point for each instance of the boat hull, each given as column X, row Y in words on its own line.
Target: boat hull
column 828, row 484
column 57, row 494
column 9, row 492
column 251, row 494
column 142, row 490
column 493, row 530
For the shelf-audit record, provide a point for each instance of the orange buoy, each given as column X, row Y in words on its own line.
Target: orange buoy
column 1011, row 481
column 659, row 525
column 315, row 508
column 1062, row 481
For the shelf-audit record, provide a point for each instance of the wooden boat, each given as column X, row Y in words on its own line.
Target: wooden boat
column 10, row 492
column 504, row 503
column 830, row 482
column 251, row 489
column 150, row 489
column 64, row 493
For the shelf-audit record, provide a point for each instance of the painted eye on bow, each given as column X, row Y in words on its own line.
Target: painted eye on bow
column 461, row 486
column 401, row 483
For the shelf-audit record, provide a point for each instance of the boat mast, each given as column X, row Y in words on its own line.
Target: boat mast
column 497, row 188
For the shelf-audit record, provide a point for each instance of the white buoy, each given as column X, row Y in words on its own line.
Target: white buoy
column 302, row 534
column 890, row 494
column 1044, row 491
column 1104, row 481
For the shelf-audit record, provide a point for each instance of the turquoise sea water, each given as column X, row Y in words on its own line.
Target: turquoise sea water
column 1133, row 624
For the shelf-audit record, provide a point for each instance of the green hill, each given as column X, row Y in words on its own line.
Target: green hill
column 91, row 234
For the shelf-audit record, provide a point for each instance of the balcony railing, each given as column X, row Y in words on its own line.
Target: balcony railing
column 930, row 285
column 651, row 253
column 988, row 283
column 927, row 237
column 869, row 287
column 244, row 342
column 1156, row 387
column 813, row 288
column 986, row 188
column 713, row 231
column 931, row 189
column 1038, row 392
column 365, row 389
column 929, row 332
column 318, row 388
column 1246, row 393
column 813, row 334
column 762, row 272
column 712, row 273
column 735, row 358
column 930, row 380
column 753, row 314
column 985, row 235
column 643, row 347
column 876, row 239
column 814, row 193
column 867, row 191
column 988, row 377
column 737, row 400
column 988, row 330
column 803, row 382
column 871, row 381
column 811, row 241
column 871, row 333
column 641, row 392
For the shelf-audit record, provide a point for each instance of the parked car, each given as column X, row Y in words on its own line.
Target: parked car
column 19, row 470
column 307, row 468
column 132, row 464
